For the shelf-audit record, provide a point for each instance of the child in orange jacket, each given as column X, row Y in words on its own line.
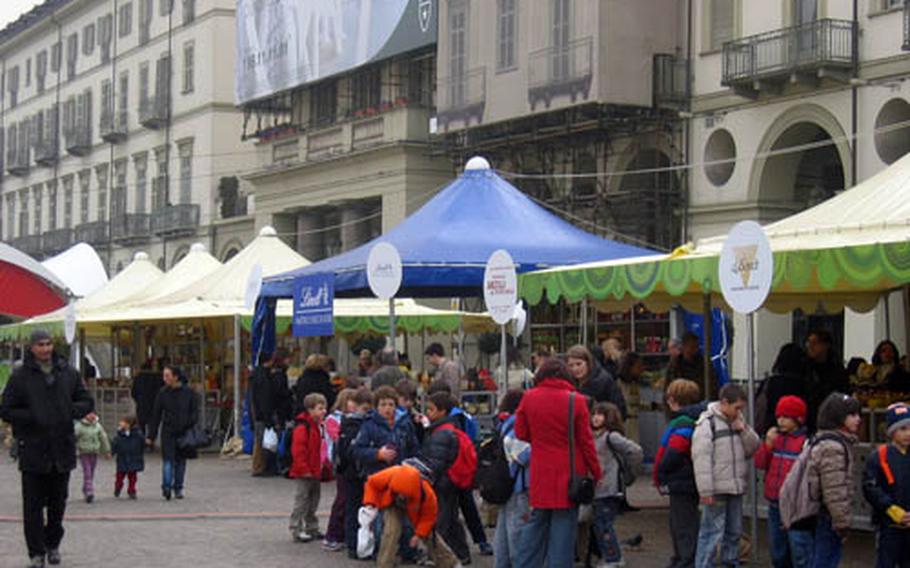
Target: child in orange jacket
column 306, row 468
column 404, row 489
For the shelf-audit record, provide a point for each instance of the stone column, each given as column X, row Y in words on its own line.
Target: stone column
column 355, row 229
column 310, row 243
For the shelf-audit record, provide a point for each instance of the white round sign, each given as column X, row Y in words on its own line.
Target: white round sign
column 253, row 287
column 746, row 267
column 384, row 270
column 500, row 287
column 69, row 323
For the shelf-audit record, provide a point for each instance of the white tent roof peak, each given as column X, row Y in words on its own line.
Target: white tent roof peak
column 191, row 269
column 80, row 268
column 477, row 163
column 197, row 247
column 128, row 285
column 141, row 256
column 268, row 231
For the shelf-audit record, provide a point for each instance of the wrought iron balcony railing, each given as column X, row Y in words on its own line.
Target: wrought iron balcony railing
column 79, row 140
column 113, row 126
column 816, row 49
column 671, row 80
column 29, row 244
column 57, row 240
column 93, row 233
column 462, row 97
column 47, row 152
column 561, row 70
column 154, row 111
column 172, row 220
column 131, row 228
column 906, row 26
column 17, row 163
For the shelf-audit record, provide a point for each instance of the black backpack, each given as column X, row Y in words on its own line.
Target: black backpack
column 342, row 455
column 493, row 477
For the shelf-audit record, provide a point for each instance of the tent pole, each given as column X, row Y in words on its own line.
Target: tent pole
column 708, row 325
column 236, row 375
column 584, row 321
column 887, row 299
column 503, row 364
column 392, row 324
column 753, row 485
column 202, row 370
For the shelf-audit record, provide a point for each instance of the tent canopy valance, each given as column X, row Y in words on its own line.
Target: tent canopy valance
column 846, row 251
column 26, row 287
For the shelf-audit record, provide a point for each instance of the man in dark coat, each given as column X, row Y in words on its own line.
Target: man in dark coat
column 176, row 411
column 825, row 373
column 41, row 400
column 388, row 374
column 690, row 364
column 260, row 392
column 145, row 388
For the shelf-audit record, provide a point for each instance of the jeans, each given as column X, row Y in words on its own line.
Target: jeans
column 893, row 547
column 88, row 462
column 512, row 517
column 605, row 512
column 778, row 539
column 684, row 520
column 471, row 515
column 42, row 491
column 172, row 474
column 802, row 545
column 548, row 536
column 722, row 523
column 828, row 544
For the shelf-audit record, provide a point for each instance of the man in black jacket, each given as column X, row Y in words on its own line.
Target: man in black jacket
column 260, row 392
column 41, row 400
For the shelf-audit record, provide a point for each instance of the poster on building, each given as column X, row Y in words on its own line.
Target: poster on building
column 282, row 44
column 314, row 298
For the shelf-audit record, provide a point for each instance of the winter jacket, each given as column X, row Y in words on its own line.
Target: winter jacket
column 176, row 411
column 674, row 472
column 440, row 448
column 542, row 419
column 145, row 388
column 343, row 449
column 602, row 387
column 414, row 417
column 721, row 455
column 314, row 380
column 830, row 471
column 386, row 376
column 776, row 462
column 261, row 395
column 889, row 500
column 376, row 433
column 306, row 444
column 821, row 380
column 91, row 438
column 282, row 400
column 775, row 388
column 129, row 446
column 629, row 451
column 518, row 454
column 41, row 409
column 387, row 487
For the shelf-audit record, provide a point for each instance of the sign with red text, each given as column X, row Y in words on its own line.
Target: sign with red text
column 500, row 287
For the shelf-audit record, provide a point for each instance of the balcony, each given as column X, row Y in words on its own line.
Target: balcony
column 131, row 228
column 93, row 233
column 47, row 153
column 17, row 164
column 462, row 98
column 113, row 126
column 671, row 81
column 29, row 244
column 153, row 112
column 906, row 45
column 176, row 220
column 565, row 70
column 57, row 240
column 803, row 53
column 79, row 141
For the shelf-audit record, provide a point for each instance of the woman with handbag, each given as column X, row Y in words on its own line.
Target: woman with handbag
column 555, row 420
column 176, row 411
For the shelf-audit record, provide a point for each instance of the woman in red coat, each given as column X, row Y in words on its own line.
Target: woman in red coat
column 543, row 420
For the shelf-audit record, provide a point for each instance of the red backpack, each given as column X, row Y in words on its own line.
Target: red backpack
column 465, row 467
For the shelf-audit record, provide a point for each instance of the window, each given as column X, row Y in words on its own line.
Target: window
column 366, row 88
column 101, row 172
column 72, row 55
column 68, row 202
column 88, row 39
column 146, row 9
column 186, row 172
column 722, row 25
column 159, row 184
column 41, row 70
column 560, row 31
column 141, row 165
column 188, row 67
column 505, row 56
column 10, row 217
column 85, row 181
column 458, row 17
column 123, row 94
column 118, row 196
column 143, row 82
column 804, row 11
column 162, row 78
column 125, row 20
column 105, row 36
column 52, row 205
column 56, row 56
column 23, row 213
column 164, row 7
column 12, row 83
column 189, row 11
column 28, row 72
column 323, row 103
column 37, row 195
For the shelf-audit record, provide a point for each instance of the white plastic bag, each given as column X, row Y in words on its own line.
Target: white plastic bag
column 270, row 440
column 366, row 540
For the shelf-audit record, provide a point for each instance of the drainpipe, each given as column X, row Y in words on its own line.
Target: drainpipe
column 167, row 122
column 854, row 93
column 6, row 230
column 115, row 23
column 687, row 126
column 59, row 119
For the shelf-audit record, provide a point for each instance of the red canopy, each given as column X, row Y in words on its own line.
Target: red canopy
column 27, row 289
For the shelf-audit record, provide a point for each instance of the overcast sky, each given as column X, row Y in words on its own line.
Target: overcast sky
column 10, row 10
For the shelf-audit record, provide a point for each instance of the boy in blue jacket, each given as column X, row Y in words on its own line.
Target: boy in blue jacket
column 886, row 486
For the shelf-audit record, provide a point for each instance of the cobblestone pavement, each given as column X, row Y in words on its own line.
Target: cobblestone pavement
column 231, row 519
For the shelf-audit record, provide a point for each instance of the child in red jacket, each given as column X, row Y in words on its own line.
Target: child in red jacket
column 776, row 456
column 306, row 468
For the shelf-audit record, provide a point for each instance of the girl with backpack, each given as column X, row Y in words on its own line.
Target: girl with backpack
column 616, row 454
column 514, row 513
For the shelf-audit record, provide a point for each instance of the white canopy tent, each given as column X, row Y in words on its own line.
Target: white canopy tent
column 80, row 268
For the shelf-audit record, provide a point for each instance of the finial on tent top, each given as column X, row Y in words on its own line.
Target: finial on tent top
column 268, row 231
column 141, row 256
column 477, row 163
column 197, row 247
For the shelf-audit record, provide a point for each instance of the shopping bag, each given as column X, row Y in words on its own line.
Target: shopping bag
column 270, row 440
column 366, row 540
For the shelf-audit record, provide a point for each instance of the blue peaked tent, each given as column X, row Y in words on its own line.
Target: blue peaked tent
column 444, row 246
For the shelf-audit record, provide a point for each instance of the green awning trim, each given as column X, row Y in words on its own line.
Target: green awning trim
column 362, row 325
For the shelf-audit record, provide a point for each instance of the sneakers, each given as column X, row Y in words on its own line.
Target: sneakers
column 89, row 497
column 36, row 562
column 166, row 493
column 53, row 556
column 178, row 494
column 332, row 546
column 485, row 549
column 303, row 536
column 132, row 496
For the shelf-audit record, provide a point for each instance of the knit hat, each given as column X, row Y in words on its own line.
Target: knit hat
column 897, row 416
column 791, row 407
column 38, row 335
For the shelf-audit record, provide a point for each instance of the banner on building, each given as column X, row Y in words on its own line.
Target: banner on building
column 314, row 299
column 282, row 44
